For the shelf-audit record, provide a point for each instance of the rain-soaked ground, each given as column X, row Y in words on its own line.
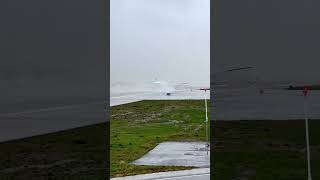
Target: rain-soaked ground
column 243, row 103
column 194, row 154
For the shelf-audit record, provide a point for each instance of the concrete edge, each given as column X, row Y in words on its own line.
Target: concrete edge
column 163, row 175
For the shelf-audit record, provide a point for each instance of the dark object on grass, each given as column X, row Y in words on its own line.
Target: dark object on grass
column 310, row 87
column 79, row 141
column 261, row 91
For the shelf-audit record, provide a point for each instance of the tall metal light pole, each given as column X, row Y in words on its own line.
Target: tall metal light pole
column 305, row 108
column 206, row 121
column 205, row 98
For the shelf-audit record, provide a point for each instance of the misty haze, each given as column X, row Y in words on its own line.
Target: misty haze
column 161, row 40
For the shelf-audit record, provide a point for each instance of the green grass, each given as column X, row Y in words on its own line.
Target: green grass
column 138, row 127
column 81, row 153
column 268, row 150
column 246, row 150
column 77, row 154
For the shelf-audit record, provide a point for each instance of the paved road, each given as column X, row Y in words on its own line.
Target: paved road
column 24, row 119
column 191, row 177
column 194, row 174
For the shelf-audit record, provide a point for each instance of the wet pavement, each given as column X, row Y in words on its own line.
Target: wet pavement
column 193, row 154
column 118, row 99
column 35, row 117
column 273, row 104
column 194, row 174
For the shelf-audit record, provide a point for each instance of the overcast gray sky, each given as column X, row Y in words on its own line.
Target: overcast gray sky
column 52, row 48
column 164, row 39
column 280, row 38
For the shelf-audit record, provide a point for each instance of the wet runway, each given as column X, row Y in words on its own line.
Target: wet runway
column 118, row 99
column 273, row 104
column 245, row 103
column 25, row 118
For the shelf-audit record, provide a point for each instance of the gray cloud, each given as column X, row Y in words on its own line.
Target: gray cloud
column 52, row 47
column 164, row 39
column 280, row 38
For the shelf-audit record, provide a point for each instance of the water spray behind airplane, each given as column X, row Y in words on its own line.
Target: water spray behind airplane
column 168, row 89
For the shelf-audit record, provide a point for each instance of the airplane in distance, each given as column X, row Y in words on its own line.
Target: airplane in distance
column 170, row 88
